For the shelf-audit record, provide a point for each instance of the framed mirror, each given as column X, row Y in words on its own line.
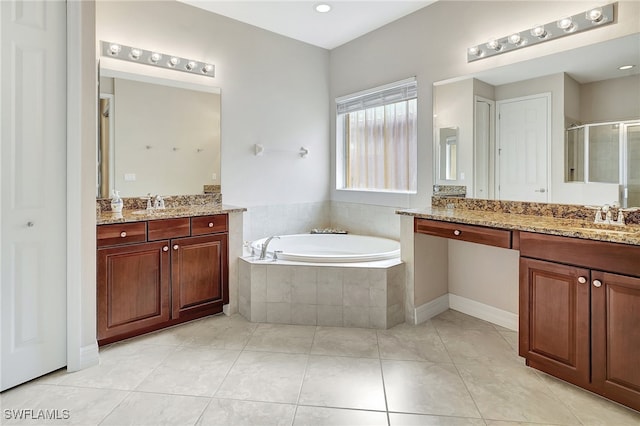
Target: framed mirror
column 156, row 136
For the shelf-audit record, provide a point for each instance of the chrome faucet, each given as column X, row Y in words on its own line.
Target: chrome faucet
column 263, row 251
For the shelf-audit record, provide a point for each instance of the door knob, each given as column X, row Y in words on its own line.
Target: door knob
column 541, row 190
column 597, row 283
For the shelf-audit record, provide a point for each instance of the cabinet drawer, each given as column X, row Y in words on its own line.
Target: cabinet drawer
column 610, row 257
column 121, row 233
column 470, row 233
column 208, row 224
column 169, row 228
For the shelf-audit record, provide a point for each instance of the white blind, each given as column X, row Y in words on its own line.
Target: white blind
column 378, row 96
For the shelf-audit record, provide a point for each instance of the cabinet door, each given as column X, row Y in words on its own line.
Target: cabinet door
column 199, row 279
column 133, row 289
column 554, row 319
column 616, row 336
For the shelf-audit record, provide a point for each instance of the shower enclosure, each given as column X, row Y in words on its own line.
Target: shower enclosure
column 606, row 153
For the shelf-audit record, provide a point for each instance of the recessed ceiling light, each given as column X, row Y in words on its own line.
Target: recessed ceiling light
column 323, row 8
column 626, row 67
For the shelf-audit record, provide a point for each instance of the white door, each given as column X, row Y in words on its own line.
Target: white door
column 33, row 189
column 523, row 137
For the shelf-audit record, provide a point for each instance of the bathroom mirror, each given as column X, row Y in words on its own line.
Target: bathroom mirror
column 448, row 137
column 581, row 91
column 156, row 136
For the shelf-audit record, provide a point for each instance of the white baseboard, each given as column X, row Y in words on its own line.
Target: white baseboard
column 88, row 357
column 484, row 312
column 430, row 309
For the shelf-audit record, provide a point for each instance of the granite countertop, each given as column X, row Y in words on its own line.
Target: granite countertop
column 576, row 228
column 128, row 215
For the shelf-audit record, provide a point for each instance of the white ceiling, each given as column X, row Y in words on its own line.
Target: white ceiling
column 347, row 20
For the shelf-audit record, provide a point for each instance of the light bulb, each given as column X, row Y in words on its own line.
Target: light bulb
column 114, row 49
column 173, row 61
column 475, row 51
column 135, row 53
column 567, row 25
column 516, row 39
column 323, row 8
column 494, row 45
column 539, row 31
column 155, row 57
column 190, row 65
column 207, row 69
column 595, row 15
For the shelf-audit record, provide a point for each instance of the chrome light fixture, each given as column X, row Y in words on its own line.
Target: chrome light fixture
column 135, row 54
column 583, row 21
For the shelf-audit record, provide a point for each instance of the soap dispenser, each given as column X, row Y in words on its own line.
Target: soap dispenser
column 116, row 202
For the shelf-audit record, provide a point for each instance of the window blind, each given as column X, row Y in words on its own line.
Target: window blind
column 378, row 96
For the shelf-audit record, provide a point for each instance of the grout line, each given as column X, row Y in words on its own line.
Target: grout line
column 384, row 386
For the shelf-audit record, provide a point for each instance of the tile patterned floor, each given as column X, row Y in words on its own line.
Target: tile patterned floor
column 452, row 370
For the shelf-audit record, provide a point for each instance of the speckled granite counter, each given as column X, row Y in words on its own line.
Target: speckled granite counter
column 567, row 227
column 127, row 215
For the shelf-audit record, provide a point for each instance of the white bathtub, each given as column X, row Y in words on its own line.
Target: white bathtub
column 330, row 248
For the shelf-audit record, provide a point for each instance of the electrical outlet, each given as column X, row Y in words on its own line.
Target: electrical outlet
column 214, row 176
column 129, row 177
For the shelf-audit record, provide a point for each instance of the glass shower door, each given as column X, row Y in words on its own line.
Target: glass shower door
column 632, row 184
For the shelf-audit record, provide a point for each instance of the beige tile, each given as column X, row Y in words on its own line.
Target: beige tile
column 343, row 383
column 191, row 371
column 458, row 319
column 156, row 409
column 282, row 338
column 222, row 332
column 514, row 393
column 304, row 292
column 279, row 313
column 589, row 408
column 72, row 405
column 426, row 388
column 265, row 376
column 356, row 316
column 467, row 345
column 355, row 294
column 330, row 316
column 307, row 416
column 304, row 314
column 511, row 337
column 122, row 366
column 402, row 419
column 357, row 342
column 412, row 343
column 226, row 412
column 175, row 336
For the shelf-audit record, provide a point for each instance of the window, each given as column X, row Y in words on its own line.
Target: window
column 377, row 139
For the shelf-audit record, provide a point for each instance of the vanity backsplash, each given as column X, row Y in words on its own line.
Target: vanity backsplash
column 564, row 211
column 170, row 201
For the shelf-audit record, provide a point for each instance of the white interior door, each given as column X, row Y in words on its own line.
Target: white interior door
column 523, row 144
column 33, row 189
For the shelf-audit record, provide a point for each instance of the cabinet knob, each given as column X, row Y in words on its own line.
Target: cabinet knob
column 165, row 248
column 210, row 224
column 123, row 234
column 457, row 232
column 582, row 280
column 176, row 247
column 597, row 283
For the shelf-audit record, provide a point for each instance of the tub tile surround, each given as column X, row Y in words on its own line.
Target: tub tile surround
column 368, row 295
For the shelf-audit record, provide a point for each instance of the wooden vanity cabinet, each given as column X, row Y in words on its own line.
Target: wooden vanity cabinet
column 580, row 313
column 170, row 277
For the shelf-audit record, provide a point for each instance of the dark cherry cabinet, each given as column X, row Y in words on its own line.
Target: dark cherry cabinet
column 154, row 274
column 554, row 319
column 133, row 288
column 580, row 313
column 198, row 273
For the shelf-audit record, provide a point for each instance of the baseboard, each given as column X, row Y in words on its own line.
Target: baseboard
column 88, row 357
column 484, row 312
column 430, row 309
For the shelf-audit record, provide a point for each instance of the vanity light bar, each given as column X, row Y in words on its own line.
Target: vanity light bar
column 157, row 59
column 587, row 20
